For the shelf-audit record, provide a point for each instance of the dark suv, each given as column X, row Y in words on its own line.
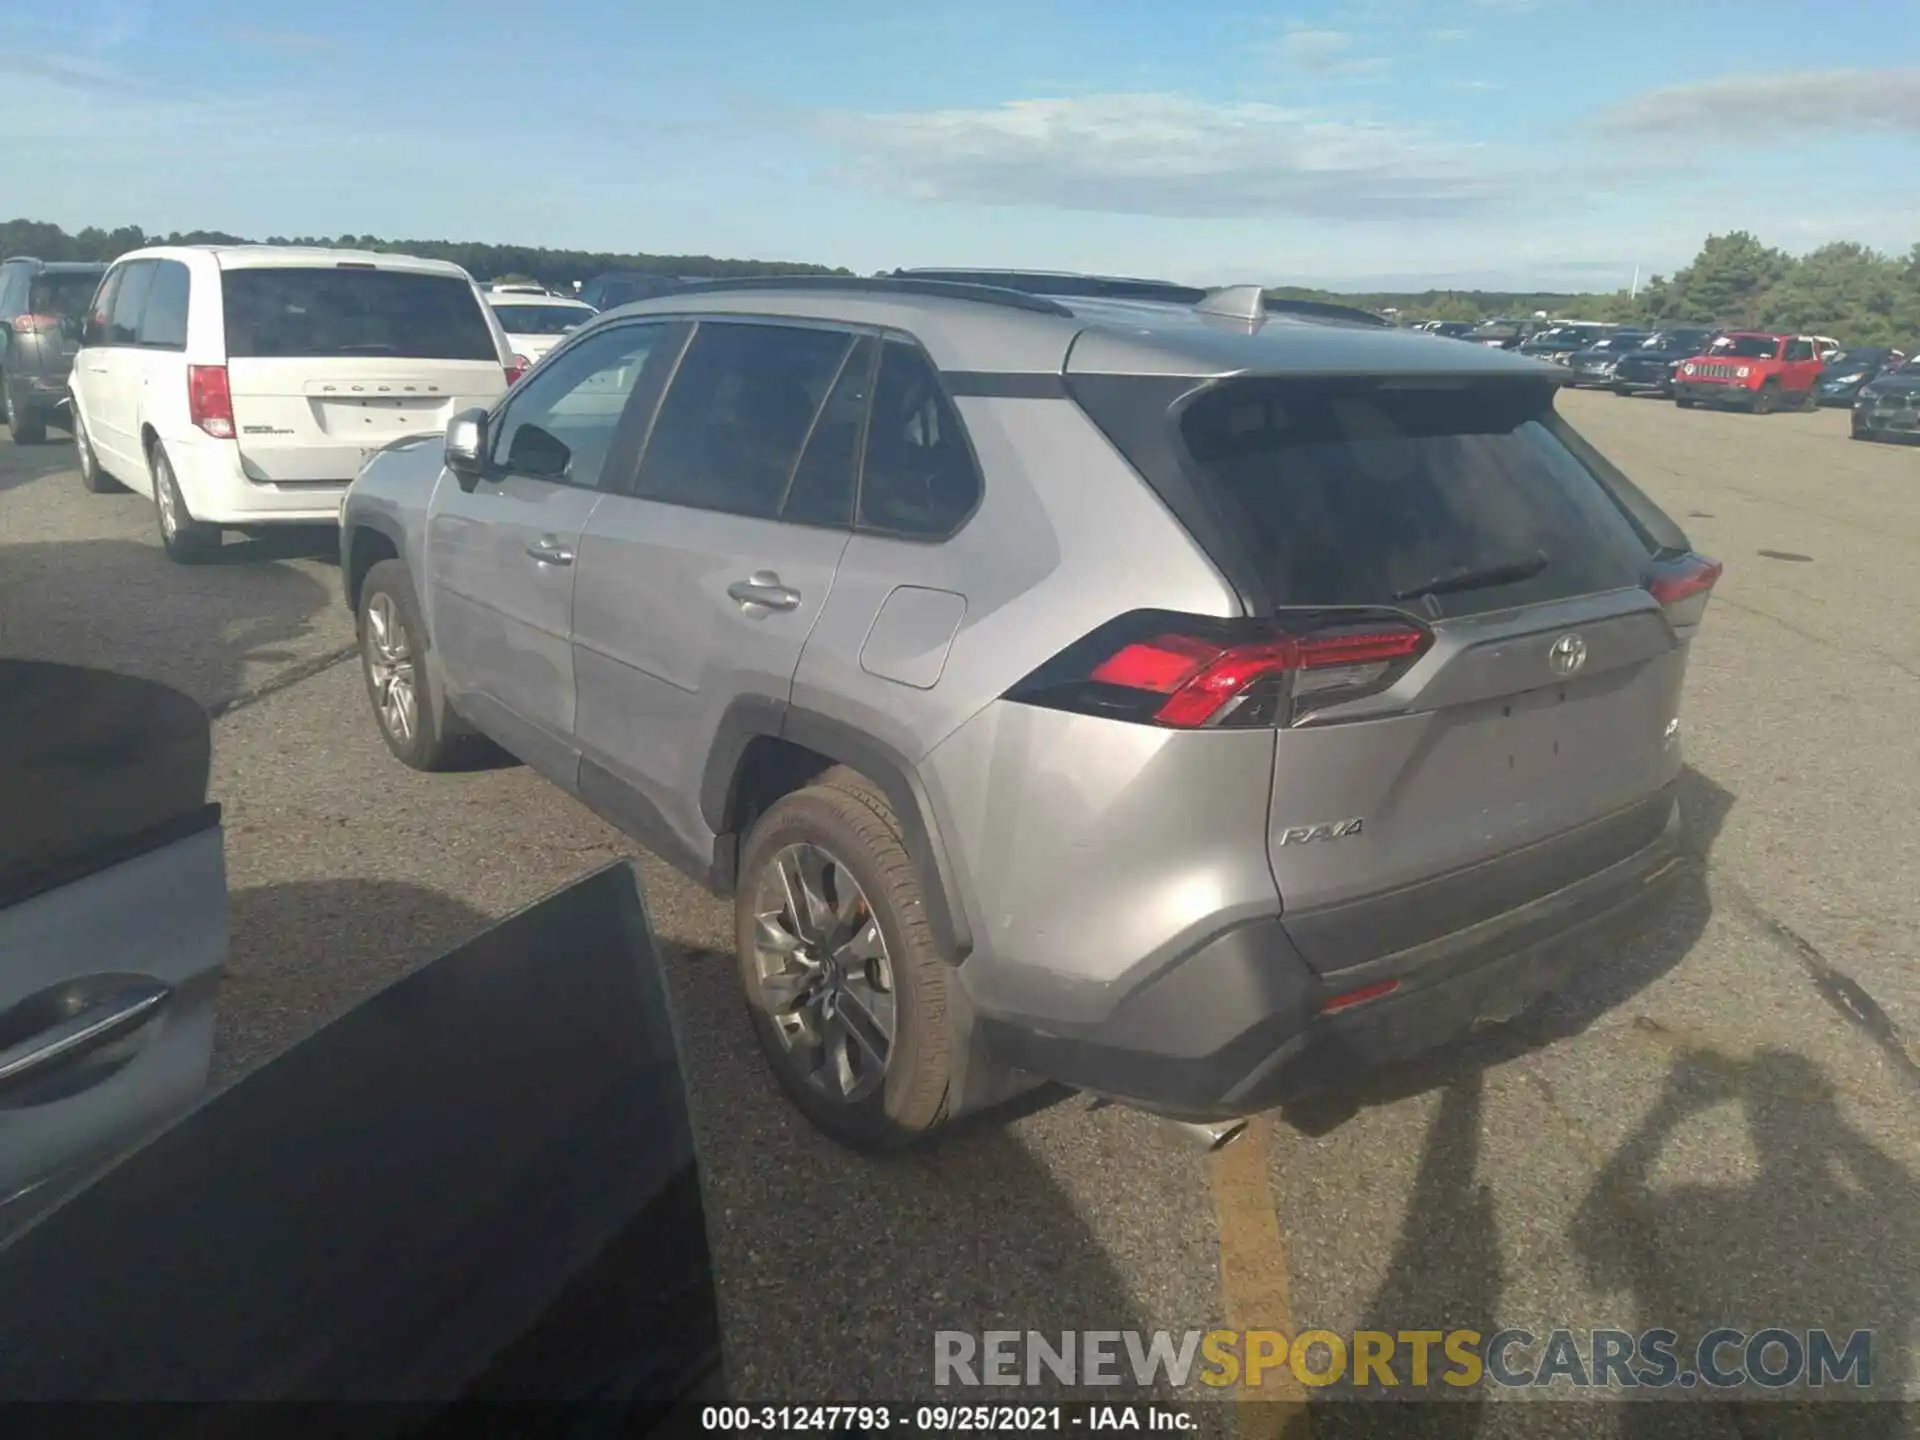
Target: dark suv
column 41, row 308
column 623, row 287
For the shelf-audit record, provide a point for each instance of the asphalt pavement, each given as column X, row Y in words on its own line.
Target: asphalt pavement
column 1717, row 1126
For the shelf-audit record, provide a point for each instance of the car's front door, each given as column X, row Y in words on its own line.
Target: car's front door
column 114, row 428
column 500, row 555
column 113, row 919
column 92, row 366
column 699, row 587
column 1803, row 366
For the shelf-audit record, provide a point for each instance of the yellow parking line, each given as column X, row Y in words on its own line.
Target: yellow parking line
column 1254, row 1278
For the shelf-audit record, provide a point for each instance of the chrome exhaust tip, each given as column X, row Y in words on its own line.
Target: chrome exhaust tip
column 1210, row 1135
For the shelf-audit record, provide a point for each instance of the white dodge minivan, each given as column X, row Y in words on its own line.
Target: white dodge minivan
column 244, row 386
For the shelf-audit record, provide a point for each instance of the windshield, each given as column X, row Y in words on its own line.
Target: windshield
column 1746, row 347
column 542, row 319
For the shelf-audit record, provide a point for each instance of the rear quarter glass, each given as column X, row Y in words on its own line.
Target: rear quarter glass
column 310, row 312
column 1346, row 493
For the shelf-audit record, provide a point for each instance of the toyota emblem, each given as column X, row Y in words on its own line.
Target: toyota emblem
column 1567, row 654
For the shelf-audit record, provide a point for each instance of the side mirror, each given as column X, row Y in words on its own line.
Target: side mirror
column 465, row 453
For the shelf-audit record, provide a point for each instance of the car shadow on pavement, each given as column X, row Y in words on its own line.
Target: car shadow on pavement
column 281, row 542
column 121, row 605
column 28, row 463
column 838, row 1269
column 318, row 947
column 1623, row 964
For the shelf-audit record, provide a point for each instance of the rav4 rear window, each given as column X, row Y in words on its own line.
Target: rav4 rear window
column 310, row 312
column 1454, row 500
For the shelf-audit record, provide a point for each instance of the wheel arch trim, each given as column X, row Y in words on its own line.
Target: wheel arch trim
column 752, row 718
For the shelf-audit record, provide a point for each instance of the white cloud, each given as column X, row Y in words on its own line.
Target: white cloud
column 1169, row 155
column 1740, row 107
column 1307, row 50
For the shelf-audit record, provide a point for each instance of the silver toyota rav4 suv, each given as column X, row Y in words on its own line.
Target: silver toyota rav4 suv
column 1184, row 697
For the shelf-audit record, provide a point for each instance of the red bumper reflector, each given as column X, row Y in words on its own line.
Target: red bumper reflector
column 1348, row 999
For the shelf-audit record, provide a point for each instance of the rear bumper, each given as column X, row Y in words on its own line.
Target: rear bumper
column 1237, row 1025
column 214, row 483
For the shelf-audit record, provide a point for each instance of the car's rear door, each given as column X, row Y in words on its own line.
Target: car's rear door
column 1801, row 372
column 113, row 919
column 327, row 363
column 1544, row 698
column 699, row 586
column 500, row 574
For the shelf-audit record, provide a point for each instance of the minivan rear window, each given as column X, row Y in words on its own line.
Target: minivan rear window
column 1453, row 499
column 308, row 312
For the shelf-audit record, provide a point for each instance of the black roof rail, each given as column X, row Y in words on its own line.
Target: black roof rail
column 879, row 285
column 1066, row 284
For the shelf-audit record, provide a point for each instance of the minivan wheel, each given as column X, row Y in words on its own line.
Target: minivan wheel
column 845, row 988
column 393, row 660
column 23, row 425
column 93, row 479
column 187, row 541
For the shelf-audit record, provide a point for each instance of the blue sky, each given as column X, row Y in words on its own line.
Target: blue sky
column 1550, row 143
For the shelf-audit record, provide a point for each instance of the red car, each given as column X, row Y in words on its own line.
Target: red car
column 1752, row 371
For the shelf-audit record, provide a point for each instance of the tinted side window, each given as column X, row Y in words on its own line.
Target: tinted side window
column 741, row 405
column 823, row 485
column 560, row 424
column 13, row 284
column 95, row 332
column 1799, row 350
column 124, row 327
column 918, row 478
column 163, row 326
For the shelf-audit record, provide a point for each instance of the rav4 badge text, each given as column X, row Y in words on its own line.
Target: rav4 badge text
column 1328, row 830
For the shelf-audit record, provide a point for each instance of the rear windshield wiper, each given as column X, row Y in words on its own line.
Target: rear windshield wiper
column 1452, row 582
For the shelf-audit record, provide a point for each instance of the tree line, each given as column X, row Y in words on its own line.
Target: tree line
column 485, row 262
column 1855, row 294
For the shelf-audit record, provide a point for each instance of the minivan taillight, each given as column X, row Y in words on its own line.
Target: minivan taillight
column 1200, row 674
column 519, row 367
column 36, row 324
column 209, row 401
column 1682, row 584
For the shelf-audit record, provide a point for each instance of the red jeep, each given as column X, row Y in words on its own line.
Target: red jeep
column 1756, row 372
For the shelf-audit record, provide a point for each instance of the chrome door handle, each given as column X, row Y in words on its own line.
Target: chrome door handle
column 549, row 551
column 763, row 588
column 96, row 1025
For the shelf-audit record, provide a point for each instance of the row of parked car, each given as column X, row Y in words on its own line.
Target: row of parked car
column 1751, row 370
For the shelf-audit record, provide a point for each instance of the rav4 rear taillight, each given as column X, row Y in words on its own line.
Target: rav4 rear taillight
column 1682, row 583
column 1190, row 673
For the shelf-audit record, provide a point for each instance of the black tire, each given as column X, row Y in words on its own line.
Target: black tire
column 1767, row 400
column 1811, row 400
column 1857, row 431
column 186, row 540
column 1682, row 402
column 1620, row 390
column 23, row 425
column 845, row 815
column 388, row 591
column 93, row 479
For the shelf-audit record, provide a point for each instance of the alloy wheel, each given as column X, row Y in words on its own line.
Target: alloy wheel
column 824, row 974
column 396, row 699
